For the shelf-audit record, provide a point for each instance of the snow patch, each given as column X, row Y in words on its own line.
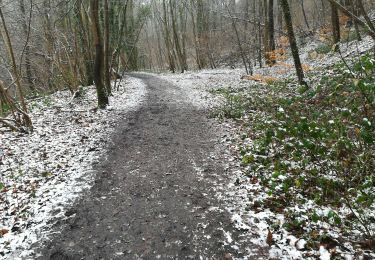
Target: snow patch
column 45, row 172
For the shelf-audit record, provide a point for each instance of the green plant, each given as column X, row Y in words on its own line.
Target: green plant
column 317, row 144
column 234, row 107
column 323, row 48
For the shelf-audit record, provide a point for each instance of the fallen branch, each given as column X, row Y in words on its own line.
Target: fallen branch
column 9, row 125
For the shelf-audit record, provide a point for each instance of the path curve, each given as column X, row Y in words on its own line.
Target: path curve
column 154, row 198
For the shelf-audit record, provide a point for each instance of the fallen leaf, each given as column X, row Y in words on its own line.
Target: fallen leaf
column 269, row 237
column 3, row 232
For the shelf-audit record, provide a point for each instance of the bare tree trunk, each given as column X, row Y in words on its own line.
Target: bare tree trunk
column 198, row 58
column 15, row 72
column 335, row 25
column 270, row 35
column 18, row 121
column 249, row 69
column 172, row 66
column 26, row 31
column 202, row 33
column 183, row 20
column 265, row 31
column 354, row 9
column 107, row 77
column 304, row 15
column 259, row 36
column 180, row 56
column 49, row 41
column 293, row 42
column 85, row 46
column 132, row 50
column 98, row 67
column 365, row 15
column 354, row 17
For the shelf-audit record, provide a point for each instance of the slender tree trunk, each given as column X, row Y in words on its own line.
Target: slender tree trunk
column 5, row 98
column 98, row 67
column 304, row 15
column 240, row 47
column 26, row 31
column 270, row 35
column 85, row 46
column 353, row 7
column 16, row 76
column 107, row 77
column 202, row 31
column 265, row 31
column 183, row 20
column 5, row 34
column 293, row 42
column 132, row 50
column 354, row 17
column 365, row 15
column 198, row 57
column 180, row 56
column 172, row 66
column 335, row 25
column 259, row 36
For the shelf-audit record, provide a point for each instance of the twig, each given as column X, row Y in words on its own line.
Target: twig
column 358, row 217
column 12, row 127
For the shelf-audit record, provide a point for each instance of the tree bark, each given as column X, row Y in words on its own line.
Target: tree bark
column 202, row 33
column 26, row 31
column 335, row 23
column 249, row 69
column 180, row 55
column 293, row 42
column 107, row 77
column 16, row 76
column 98, row 67
column 304, row 15
column 354, row 17
column 270, row 32
column 365, row 15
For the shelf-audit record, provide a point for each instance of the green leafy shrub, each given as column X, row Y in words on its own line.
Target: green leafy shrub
column 323, row 48
column 235, row 105
column 317, row 145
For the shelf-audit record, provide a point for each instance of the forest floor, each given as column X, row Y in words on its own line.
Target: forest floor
column 173, row 169
column 156, row 195
column 158, row 192
column 303, row 157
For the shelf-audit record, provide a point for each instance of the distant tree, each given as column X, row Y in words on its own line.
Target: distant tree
column 98, row 67
column 202, row 31
column 335, row 23
column 270, row 34
column 26, row 23
column 293, row 42
column 167, row 39
column 106, row 51
column 176, row 36
column 16, row 76
column 366, row 25
column 23, row 119
column 365, row 15
column 247, row 63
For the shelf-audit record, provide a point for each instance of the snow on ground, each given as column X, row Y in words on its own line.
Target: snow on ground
column 196, row 84
column 241, row 191
column 45, row 171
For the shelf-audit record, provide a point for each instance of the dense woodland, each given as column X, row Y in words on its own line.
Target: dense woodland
column 50, row 45
column 304, row 138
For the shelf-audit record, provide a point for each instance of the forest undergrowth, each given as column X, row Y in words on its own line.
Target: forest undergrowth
column 310, row 154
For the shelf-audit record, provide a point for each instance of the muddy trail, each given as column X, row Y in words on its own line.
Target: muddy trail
column 154, row 198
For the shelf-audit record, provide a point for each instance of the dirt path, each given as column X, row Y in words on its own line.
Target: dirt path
column 155, row 196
